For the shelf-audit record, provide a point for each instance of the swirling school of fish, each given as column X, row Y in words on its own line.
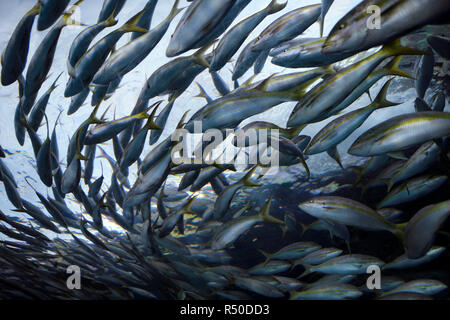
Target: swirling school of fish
column 150, row 259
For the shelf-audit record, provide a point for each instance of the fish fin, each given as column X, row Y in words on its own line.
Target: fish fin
column 131, row 25
column 111, row 20
column 393, row 69
column 202, row 93
column 304, row 228
column 398, row 155
column 246, row 179
column 151, row 125
column 395, row 48
column 381, row 100
column 295, row 131
column 266, row 255
column 264, row 84
column 265, row 215
column 390, row 184
column 322, row 23
column 296, row 263
column 275, row 7
column 175, row 10
column 249, row 81
column 399, row 230
column 306, row 272
column 348, row 247
column 334, row 154
column 200, row 55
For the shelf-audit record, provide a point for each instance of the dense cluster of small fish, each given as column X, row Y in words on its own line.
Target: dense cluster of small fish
column 171, row 249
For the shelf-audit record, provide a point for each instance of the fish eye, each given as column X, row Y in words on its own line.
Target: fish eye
column 342, row 26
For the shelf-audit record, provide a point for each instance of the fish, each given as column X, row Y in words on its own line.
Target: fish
column 413, row 189
column 270, row 268
column 232, row 230
column 292, row 251
column 223, row 202
column 440, row 45
column 338, row 291
column 245, row 61
column 199, row 19
column 348, row 212
column 318, row 257
column 77, row 101
column 402, row 132
column 135, row 147
column 42, row 60
column 326, row 4
column 110, row 7
column 339, row 129
column 132, row 54
column 424, row 75
column 344, row 265
column 287, row 27
column 14, row 56
column 438, row 102
column 146, row 20
column 333, row 90
column 427, row 287
column 93, row 59
column 403, row 262
column 237, row 7
column 420, row 231
column 105, row 131
column 230, row 43
column 163, row 77
column 241, row 105
column 174, row 218
column 50, row 12
column 37, row 113
column 81, row 43
column 305, row 54
column 352, row 33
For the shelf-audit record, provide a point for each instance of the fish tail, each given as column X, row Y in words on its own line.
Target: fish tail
column 151, row 125
column 54, row 85
column 322, row 23
column 304, row 228
column 200, row 55
column 175, row 10
column 202, row 93
column 275, row 7
column 393, row 69
column 306, row 272
column 295, row 131
column 266, row 255
column 36, row 9
column 381, row 100
column 395, row 48
column 400, row 230
column 111, row 20
column 265, row 215
column 131, row 25
column 246, row 179
column 296, row 263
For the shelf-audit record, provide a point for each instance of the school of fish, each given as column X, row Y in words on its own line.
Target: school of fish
column 170, row 243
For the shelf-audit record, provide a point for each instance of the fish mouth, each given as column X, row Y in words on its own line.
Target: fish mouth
column 172, row 50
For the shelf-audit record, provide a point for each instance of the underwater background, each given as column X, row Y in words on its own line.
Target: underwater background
column 288, row 188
